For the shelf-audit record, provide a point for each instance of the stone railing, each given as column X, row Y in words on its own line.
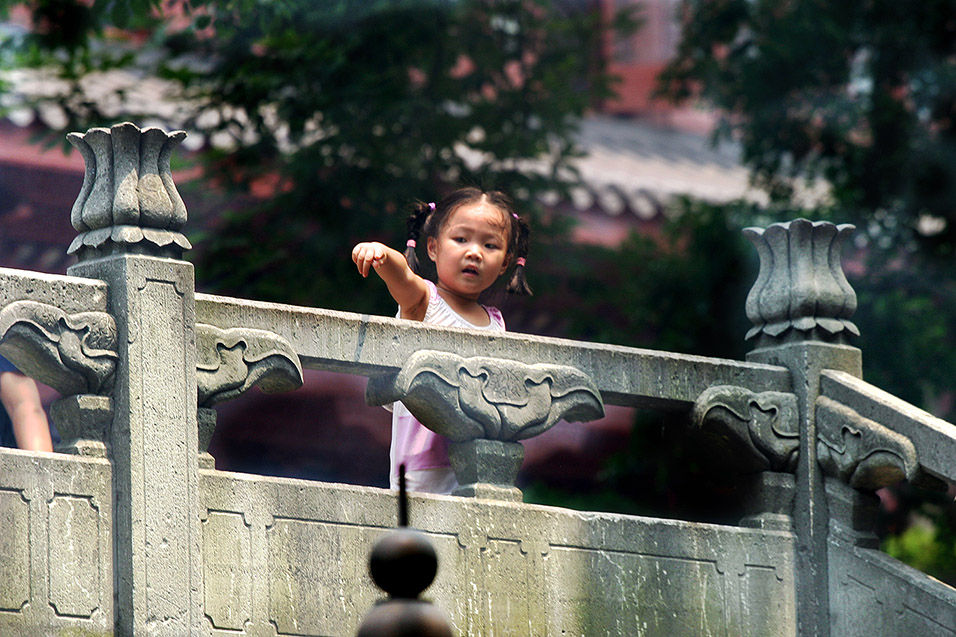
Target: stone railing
column 135, row 532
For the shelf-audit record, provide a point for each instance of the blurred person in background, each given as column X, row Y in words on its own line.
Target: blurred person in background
column 23, row 423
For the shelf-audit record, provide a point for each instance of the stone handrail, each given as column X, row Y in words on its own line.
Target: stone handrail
column 933, row 439
column 370, row 345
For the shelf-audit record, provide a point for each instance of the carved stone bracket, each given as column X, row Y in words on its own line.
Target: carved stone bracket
column 230, row 362
column 859, row 451
column 801, row 286
column 72, row 353
column 755, row 432
column 495, row 399
column 484, row 406
column 75, row 354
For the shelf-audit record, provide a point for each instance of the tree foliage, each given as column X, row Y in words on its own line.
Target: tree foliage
column 331, row 117
column 861, row 94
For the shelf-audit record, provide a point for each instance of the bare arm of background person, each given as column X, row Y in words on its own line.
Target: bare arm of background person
column 20, row 398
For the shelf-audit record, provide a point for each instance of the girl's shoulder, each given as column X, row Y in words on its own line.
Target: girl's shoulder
column 432, row 289
column 495, row 315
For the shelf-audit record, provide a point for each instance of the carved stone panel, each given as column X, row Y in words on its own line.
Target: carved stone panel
column 14, row 550
column 227, row 570
column 307, row 595
column 633, row 594
column 503, row 568
column 464, row 399
column 74, row 555
column 56, row 574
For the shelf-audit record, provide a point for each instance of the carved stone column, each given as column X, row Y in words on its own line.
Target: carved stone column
column 129, row 216
column 484, row 406
column 801, row 306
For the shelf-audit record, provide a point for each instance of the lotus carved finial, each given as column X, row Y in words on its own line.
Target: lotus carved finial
column 801, row 288
column 128, row 197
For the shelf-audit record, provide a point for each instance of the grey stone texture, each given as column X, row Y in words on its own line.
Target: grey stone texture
column 293, row 554
column 131, row 531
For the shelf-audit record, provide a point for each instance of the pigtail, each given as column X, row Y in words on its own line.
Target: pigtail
column 415, row 223
column 519, row 283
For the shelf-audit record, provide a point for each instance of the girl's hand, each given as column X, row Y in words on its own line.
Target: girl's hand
column 367, row 255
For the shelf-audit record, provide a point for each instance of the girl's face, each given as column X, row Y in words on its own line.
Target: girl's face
column 471, row 249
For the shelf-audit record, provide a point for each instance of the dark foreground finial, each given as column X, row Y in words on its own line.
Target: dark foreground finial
column 402, row 498
column 404, row 564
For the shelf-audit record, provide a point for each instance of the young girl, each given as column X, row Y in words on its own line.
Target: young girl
column 473, row 237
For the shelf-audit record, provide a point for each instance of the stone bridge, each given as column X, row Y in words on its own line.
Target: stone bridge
column 129, row 529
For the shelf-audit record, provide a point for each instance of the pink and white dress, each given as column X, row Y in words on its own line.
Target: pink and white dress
column 423, row 452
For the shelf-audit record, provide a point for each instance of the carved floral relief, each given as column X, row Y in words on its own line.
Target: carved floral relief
column 470, row 398
column 230, row 362
column 128, row 195
column 757, row 432
column 801, row 285
column 72, row 353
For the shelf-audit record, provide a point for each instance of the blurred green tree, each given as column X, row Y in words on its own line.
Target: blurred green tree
column 861, row 94
column 862, row 97
column 333, row 116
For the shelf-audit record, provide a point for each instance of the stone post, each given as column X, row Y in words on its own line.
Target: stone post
column 129, row 215
column 800, row 306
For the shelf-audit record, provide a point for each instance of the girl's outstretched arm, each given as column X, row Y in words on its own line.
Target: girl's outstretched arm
column 407, row 288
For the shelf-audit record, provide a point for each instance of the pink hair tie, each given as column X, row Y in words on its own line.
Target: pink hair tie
column 431, row 204
column 514, row 214
column 410, row 243
column 520, row 261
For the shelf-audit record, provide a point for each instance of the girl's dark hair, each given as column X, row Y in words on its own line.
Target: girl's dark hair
column 426, row 219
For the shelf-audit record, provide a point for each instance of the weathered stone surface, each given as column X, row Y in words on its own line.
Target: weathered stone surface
column 768, row 501
column 753, row 432
column 56, row 566
column 69, row 293
column 486, row 468
column 504, row 568
column 84, row 424
column 878, row 595
column 807, row 359
column 74, row 555
column 158, row 535
column 227, row 570
column 14, row 550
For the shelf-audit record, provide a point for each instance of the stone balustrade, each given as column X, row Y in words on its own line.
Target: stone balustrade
column 133, row 531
